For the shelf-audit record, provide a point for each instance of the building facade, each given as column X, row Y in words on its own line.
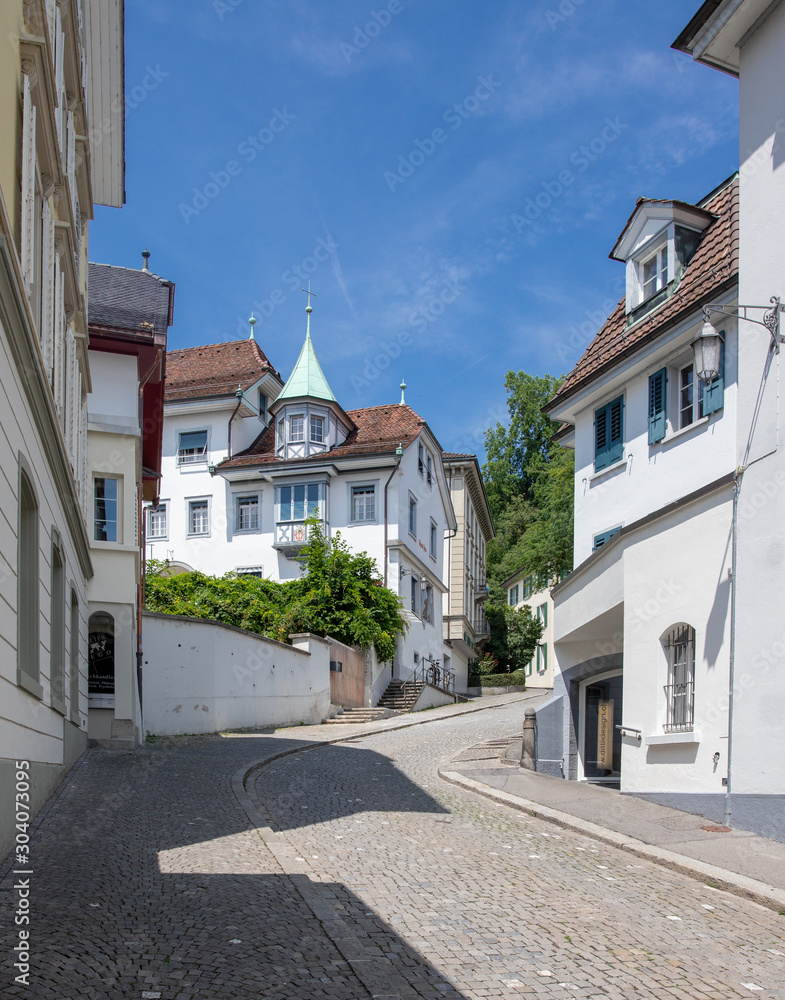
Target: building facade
column 528, row 590
column 130, row 313
column 465, row 566
column 745, row 38
column 241, row 504
column 642, row 625
column 61, row 61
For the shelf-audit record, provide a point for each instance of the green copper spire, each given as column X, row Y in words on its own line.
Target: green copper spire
column 307, row 378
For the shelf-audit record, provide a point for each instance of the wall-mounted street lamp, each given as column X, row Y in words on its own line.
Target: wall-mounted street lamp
column 708, row 346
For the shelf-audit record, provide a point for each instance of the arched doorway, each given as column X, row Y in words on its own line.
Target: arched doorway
column 599, row 737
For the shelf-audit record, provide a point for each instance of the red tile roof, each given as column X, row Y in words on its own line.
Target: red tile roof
column 379, row 431
column 214, row 370
column 713, row 268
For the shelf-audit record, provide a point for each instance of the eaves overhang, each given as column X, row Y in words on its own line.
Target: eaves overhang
column 720, row 29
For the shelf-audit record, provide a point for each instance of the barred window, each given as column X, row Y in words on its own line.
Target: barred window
column 679, row 644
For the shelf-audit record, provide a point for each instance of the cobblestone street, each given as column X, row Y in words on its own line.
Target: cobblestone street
column 371, row 877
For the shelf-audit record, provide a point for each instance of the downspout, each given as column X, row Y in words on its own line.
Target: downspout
column 240, row 395
column 398, row 457
column 732, row 654
column 140, row 587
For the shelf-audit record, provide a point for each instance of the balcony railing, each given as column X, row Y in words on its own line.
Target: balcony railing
column 481, row 627
column 291, row 536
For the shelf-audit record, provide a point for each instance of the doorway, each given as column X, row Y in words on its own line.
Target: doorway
column 599, row 738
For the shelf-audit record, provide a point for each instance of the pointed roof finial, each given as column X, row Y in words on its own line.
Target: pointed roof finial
column 252, row 321
column 309, row 309
column 146, row 257
column 403, row 390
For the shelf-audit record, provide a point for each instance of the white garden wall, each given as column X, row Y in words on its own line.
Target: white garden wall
column 204, row 677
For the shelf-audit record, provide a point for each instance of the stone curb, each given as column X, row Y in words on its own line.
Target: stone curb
column 759, row 892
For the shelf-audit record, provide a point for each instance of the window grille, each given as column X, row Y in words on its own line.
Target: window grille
column 680, row 689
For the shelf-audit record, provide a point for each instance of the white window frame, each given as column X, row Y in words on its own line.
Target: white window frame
column 368, row 487
column 246, row 496
column 184, row 461
column 433, row 540
column 163, row 505
column 661, row 276
column 118, row 511
column 301, row 438
column 412, row 508
column 189, row 502
column 322, row 422
column 680, row 714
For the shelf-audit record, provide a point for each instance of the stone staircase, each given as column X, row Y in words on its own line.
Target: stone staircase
column 400, row 698
column 351, row 716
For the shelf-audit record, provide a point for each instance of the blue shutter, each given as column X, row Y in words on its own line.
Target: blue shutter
column 713, row 394
column 601, row 438
column 606, row 536
column 657, row 408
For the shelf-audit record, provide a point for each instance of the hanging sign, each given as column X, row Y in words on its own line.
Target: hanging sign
column 605, row 734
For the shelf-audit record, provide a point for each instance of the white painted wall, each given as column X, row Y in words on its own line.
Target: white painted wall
column 759, row 750
column 115, row 381
column 203, row 677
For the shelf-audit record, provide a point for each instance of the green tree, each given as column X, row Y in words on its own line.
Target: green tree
column 514, row 637
column 529, row 480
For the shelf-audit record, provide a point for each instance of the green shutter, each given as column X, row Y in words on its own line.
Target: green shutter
column 713, row 394
column 608, row 434
column 657, row 407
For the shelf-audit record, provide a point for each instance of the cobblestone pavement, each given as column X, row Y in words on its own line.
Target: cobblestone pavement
column 374, row 878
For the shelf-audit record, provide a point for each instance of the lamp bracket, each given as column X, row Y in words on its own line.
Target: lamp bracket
column 770, row 320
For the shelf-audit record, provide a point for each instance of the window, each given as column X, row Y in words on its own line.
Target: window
column 317, row 430
column 28, row 588
column 421, row 459
column 658, row 383
column 542, row 659
column 262, row 404
column 608, row 434
column 415, row 592
column 363, row 503
column 296, row 503
column 192, row 448
column 542, row 614
column 412, row 516
column 427, row 608
column 429, row 468
column 679, row 644
column 654, row 272
column 281, row 434
column 297, row 428
column 105, row 495
column 73, row 667
column 157, row 522
column 690, row 397
column 528, row 587
column 433, row 539
column 512, row 596
column 57, row 627
column 247, row 513
column 600, row 540
column 198, row 517
column 257, row 571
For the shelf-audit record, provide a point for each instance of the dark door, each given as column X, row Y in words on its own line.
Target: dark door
column 602, row 740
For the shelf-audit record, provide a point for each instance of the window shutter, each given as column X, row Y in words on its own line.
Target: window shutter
column 713, row 394
column 616, row 436
column 601, row 438
column 28, row 185
column 657, row 410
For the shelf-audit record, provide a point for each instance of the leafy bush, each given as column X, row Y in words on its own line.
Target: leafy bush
column 517, row 677
column 340, row 594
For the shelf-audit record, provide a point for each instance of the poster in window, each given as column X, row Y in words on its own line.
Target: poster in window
column 605, row 734
column 100, row 678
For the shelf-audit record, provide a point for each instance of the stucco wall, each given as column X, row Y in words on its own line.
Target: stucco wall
column 203, row 677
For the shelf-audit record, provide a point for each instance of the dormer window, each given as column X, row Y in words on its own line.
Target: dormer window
column 654, row 272
column 317, row 430
column 297, row 428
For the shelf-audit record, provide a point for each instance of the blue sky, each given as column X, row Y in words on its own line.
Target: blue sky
column 451, row 177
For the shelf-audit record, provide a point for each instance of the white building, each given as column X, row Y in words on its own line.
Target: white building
column 642, row 624
column 130, row 313
column 465, row 566
column 374, row 474
column 746, row 38
column 528, row 590
column 62, row 71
